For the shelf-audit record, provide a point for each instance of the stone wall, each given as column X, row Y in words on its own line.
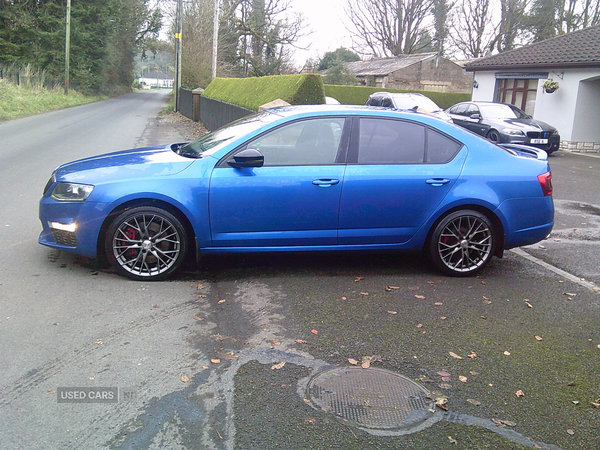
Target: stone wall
column 580, row 147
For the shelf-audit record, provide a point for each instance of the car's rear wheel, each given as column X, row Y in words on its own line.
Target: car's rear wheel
column 493, row 136
column 462, row 244
column 146, row 243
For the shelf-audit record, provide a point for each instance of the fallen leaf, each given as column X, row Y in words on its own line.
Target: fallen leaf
column 529, row 305
column 596, row 403
column 314, row 331
column 454, row 355
column 200, row 286
column 364, row 293
column 507, row 353
column 366, row 364
column 185, row 378
column 376, row 358
column 538, row 338
column 198, row 318
column 393, row 312
column 301, row 341
column 353, row 361
column 391, row 288
column 274, row 342
column 503, row 423
column 343, row 298
column 542, row 246
column 205, row 367
column 359, row 278
column 278, row 366
column 221, row 301
column 420, row 325
column 445, row 386
column 570, row 431
column 569, row 294
column 472, row 355
column 575, row 402
column 474, row 373
column 438, row 303
column 420, row 296
column 474, row 402
column 520, row 393
column 443, row 373
column 443, row 318
column 156, row 306
column 442, row 402
column 452, row 440
column 462, row 378
column 311, row 421
column 215, row 361
column 98, row 342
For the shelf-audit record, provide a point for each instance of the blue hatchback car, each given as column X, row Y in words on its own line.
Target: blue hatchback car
column 304, row 178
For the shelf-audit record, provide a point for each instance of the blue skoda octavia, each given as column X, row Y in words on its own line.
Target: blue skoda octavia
column 304, row 178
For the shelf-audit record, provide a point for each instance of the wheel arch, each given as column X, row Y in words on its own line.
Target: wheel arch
column 157, row 203
column 496, row 222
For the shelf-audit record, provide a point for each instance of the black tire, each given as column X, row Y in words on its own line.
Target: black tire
column 493, row 136
column 146, row 243
column 462, row 244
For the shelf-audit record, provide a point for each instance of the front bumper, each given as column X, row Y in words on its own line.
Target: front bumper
column 71, row 226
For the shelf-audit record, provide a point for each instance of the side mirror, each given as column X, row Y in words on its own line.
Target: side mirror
column 247, row 158
column 475, row 116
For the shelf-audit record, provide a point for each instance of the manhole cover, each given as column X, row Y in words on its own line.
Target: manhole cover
column 371, row 398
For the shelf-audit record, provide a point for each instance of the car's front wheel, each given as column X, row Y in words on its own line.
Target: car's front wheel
column 462, row 243
column 146, row 243
column 493, row 136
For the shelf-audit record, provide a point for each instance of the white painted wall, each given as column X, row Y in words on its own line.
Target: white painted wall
column 574, row 109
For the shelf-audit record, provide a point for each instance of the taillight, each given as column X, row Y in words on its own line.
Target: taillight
column 545, row 180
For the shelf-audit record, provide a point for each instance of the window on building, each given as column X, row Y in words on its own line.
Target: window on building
column 520, row 92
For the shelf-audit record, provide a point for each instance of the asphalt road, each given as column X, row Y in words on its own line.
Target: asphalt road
column 199, row 359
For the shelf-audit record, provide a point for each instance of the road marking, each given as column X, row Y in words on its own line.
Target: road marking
column 586, row 284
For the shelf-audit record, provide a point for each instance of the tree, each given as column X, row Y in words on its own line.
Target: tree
column 388, row 27
column 511, row 24
column 263, row 34
column 340, row 55
column 105, row 37
column 440, row 11
column 473, row 29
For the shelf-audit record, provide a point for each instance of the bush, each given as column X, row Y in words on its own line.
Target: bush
column 358, row 95
column 250, row 93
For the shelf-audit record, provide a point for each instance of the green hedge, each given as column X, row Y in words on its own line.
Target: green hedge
column 250, row 93
column 358, row 95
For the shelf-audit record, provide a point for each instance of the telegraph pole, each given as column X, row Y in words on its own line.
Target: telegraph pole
column 67, row 47
column 215, row 40
column 178, row 19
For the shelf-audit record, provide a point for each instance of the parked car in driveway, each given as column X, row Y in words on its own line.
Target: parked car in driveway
column 310, row 178
column 504, row 123
column 401, row 100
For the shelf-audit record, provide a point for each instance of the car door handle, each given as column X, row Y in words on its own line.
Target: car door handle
column 437, row 181
column 325, row 182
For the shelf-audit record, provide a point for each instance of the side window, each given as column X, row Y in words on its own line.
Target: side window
column 374, row 101
column 304, row 143
column 440, row 148
column 460, row 109
column 387, row 102
column 384, row 141
column 472, row 109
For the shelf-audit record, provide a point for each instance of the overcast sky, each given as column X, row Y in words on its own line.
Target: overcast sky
column 326, row 20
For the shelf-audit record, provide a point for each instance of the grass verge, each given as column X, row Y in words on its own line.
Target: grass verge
column 18, row 101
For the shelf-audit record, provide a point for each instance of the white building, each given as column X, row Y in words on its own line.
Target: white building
column 156, row 79
column 517, row 77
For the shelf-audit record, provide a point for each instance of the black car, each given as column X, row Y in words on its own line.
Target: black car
column 406, row 100
column 504, row 123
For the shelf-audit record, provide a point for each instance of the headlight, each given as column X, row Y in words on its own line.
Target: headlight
column 513, row 132
column 71, row 192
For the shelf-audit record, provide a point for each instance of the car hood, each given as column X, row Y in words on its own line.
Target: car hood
column 127, row 164
column 521, row 124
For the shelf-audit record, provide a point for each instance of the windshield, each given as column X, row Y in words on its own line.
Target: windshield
column 406, row 102
column 215, row 140
column 501, row 111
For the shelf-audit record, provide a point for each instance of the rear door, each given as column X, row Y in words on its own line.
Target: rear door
column 398, row 173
